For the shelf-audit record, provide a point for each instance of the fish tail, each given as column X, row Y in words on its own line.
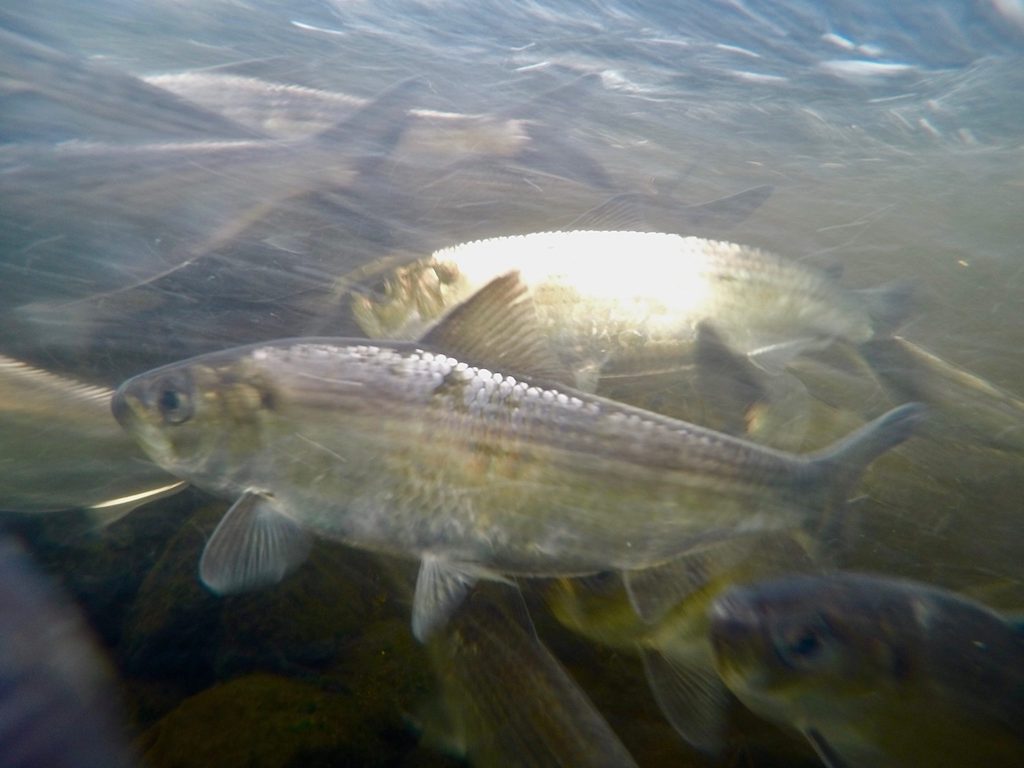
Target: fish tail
column 889, row 306
column 839, row 467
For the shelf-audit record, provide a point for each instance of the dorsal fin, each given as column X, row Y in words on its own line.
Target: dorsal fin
column 549, row 151
column 619, row 213
column 376, row 127
column 497, row 328
column 727, row 211
column 583, row 86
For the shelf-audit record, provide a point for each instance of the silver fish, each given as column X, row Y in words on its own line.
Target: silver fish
column 60, row 449
column 876, row 671
column 623, row 303
column 404, row 449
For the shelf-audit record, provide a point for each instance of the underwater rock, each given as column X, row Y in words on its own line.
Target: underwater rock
column 266, row 721
column 173, row 627
column 308, row 619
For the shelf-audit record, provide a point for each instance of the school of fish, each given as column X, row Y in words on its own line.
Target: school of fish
column 659, row 440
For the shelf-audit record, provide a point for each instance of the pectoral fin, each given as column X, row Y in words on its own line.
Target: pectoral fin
column 691, row 695
column 255, row 545
column 653, row 592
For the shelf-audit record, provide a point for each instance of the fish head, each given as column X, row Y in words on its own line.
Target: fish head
column 409, row 299
column 808, row 643
column 197, row 419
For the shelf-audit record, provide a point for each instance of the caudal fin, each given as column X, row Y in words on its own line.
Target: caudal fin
column 839, row 467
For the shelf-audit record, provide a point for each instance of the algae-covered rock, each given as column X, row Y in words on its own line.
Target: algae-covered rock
column 386, row 669
column 264, row 721
column 307, row 620
column 174, row 624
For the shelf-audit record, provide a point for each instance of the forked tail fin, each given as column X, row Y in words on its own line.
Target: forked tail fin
column 839, row 467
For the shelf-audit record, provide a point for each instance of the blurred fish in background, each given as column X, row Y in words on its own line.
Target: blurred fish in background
column 57, row 702
column 60, row 449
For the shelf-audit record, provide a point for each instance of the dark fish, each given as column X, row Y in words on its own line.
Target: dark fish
column 876, row 671
column 400, row 449
column 56, row 702
column 672, row 634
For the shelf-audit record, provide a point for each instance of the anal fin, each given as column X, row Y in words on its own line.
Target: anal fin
column 441, row 586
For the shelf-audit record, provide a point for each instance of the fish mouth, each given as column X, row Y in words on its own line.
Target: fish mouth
column 130, row 411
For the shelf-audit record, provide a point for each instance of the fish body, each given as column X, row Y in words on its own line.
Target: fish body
column 60, row 448
column 288, row 111
column 402, row 449
column 627, row 302
column 876, row 671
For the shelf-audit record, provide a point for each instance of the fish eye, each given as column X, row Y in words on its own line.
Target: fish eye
column 379, row 290
column 803, row 644
column 806, row 645
column 173, row 398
